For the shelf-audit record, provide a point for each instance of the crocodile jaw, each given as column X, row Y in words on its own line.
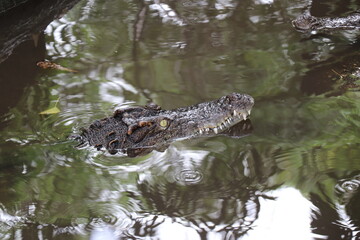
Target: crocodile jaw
column 224, row 124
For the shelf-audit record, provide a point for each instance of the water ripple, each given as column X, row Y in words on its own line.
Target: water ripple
column 109, row 214
column 189, row 176
column 349, row 185
column 346, row 188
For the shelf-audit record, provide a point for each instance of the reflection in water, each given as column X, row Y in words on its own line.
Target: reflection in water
column 349, row 197
column 280, row 219
column 13, row 81
column 335, row 76
column 338, row 219
column 103, row 233
column 225, row 203
column 347, row 188
column 294, row 177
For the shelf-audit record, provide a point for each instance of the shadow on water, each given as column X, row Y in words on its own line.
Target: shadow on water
column 28, row 19
column 22, row 45
column 19, row 71
column 335, row 76
column 296, row 176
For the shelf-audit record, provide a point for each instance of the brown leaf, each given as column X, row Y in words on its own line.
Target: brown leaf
column 47, row 64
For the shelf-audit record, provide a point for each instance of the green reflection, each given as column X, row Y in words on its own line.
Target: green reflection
column 130, row 52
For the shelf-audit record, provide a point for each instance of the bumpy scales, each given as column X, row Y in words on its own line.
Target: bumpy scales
column 139, row 130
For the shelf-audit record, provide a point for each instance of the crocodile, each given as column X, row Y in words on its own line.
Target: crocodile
column 139, row 130
column 308, row 23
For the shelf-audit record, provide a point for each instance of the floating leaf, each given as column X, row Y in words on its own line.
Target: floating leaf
column 47, row 64
column 52, row 110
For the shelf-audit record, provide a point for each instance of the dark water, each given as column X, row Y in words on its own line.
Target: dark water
column 295, row 177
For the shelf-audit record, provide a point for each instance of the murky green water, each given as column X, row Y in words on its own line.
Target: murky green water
column 295, row 177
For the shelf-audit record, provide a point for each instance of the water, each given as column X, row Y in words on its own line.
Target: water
column 296, row 176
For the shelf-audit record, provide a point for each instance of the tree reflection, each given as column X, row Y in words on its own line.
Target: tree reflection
column 225, row 201
column 338, row 219
column 178, row 52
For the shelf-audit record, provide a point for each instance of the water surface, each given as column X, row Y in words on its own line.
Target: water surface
column 295, row 177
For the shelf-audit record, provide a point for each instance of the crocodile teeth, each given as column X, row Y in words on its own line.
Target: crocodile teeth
column 226, row 123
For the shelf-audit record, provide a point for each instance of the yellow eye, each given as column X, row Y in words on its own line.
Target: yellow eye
column 164, row 123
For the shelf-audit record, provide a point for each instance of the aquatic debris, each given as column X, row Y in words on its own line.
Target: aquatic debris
column 48, row 64
column 49, row 111
column 52, row 110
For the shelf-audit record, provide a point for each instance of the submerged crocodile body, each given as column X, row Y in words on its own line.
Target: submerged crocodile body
column 139, row 130
column 309, row 23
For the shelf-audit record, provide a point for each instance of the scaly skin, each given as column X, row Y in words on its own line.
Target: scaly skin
column 308, row 23
column 139, row 130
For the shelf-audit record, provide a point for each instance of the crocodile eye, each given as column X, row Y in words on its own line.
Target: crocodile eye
column 164, row 123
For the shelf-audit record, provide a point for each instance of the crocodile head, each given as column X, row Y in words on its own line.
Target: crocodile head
column 204, row 119
column 139, row 130
column 306, row 23
column 309, row 24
